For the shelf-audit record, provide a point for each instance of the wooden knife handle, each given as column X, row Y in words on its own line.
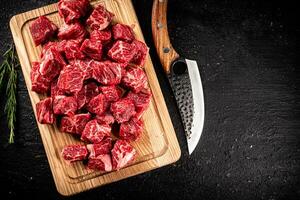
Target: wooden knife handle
column 162, row 43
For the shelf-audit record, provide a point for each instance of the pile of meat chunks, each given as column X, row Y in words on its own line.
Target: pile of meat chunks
column 92, row 72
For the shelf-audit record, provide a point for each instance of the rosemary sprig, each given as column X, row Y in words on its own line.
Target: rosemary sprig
column 8, row 72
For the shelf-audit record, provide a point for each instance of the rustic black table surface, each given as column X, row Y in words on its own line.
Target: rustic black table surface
column 248, row 54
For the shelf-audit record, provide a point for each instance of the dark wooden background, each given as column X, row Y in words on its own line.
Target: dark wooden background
column 248, row 54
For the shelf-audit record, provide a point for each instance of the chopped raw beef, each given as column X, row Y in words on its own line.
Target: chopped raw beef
column 92, row 48
column 85, row 66
column 75, row 152
column 44, row 111
column 101, row 148
column 99, row 19
column 131, row 130
column 94, row 132
column 122, row 154
column 141, row 101
column 122, row 52
column 59, row 46
column 123, row 110
column 63, row 105
column 101, row 163
column 72, row 50
column 97, row 104
column 74, row 124
column 135, row 79
column 72, row 31
column 107, row 72
column 86, row 93
column 54, row 89
column 51, row 63
column 141, row 52
column 105, row 118
column 111, row 93
column 123, row 32
column 70, row 79
column 39, row 83
column 72, row 10
column 41, row 30
column 104, row 36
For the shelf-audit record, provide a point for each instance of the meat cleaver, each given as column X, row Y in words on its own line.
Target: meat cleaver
column 183, row 75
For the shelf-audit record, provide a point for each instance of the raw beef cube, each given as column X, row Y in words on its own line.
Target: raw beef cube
column 86, row 93
column 123, row 32
column 131, row 130
column 72, row 10
column 74, row 124
column 101, row 148
column 39, row 83
column 105, row 118
column 51, row 63
column 59, row 46
column 94, row 132
column 75, row 152
column 122, row 52
column 99, row 19
column 55, row 90
column 70, row 79
column 135, row 79
column 141, row 101
column 41, row 30
column 85, row 66
column 72, row 50
column 107, row 72
column 141, row 52
column 72, row 31
column 104, row 36
column 97, row 104
column 123, row 110
column 92, row 48
column 101, row 163
column 63, row 105
column 122, row 154
column 111, row 93
column 44, row 111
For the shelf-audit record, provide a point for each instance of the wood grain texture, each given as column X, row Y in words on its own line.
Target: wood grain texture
column 158, row 145
column 164, row 48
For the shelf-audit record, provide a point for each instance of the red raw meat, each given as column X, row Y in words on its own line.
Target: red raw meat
column 111, row 93
column 94, row 132
column 99, row 19
column 105, row 118
column 39, row 83
column 74, row 124
column 86, row 93
column 44, row 111
column 135, row 79
column 131, row 130
column 63, row 105
column 123, row 110
column 72, row 50
column 75, row 152
column 55, row 90
column 70, row 79
column 123, row 32
column 101, row 148
column 122, row 154
column 92, row 48
column 97, row 104
column 51, row 63
column 101, row 163
column 41, row 30
column 72, row 31
column 141, row 101
column 85, row 66
column 72, row 10
column 104, row 36
column 141, row 52
column 122, row 52
column 107, row 72
column 59, row 46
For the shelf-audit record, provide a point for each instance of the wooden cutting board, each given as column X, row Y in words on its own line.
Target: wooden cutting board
column 158, row 145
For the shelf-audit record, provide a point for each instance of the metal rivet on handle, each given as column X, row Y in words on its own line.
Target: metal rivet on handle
column 159, row 25
column 166, row 49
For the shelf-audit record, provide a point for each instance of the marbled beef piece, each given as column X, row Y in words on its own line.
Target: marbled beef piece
column 87, row 92
column 74, row 124
column 63, row 105
column 111, row 93
column 97, row 104
column 92, row 48
column 94, row 132
column 104, row 147
column 122, row 52
column 39, row 83
column 135, row 79
column 107, row 72
column 85, row 65
column 72, row 32
column 104, row 36
column 72, row 153
column 122, row 154
column 123, row 110
column 72, row 10
column 101, row 163
column 105, row 118
column 123, row 32
column 141, row 52
column 72, row 50
column 131, row 130
column 99, row 19
column 44, row 111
